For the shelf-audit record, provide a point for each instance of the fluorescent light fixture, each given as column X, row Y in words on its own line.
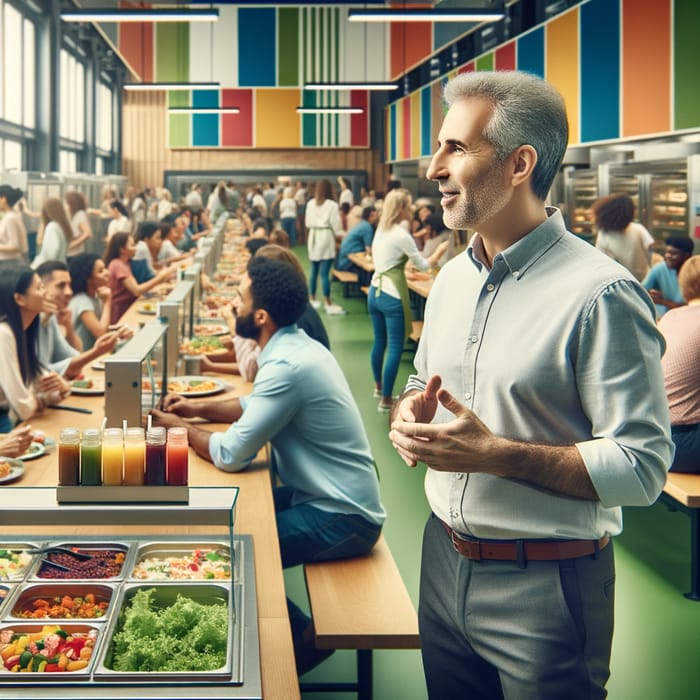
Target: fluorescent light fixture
column 397, row 14
column 204, row 110
column 351, row 86
column 172, row 86
column 139, row 15
column 330, row 110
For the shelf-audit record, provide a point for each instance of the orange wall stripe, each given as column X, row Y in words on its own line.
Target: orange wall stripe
column 277, row 125
column 415, row 124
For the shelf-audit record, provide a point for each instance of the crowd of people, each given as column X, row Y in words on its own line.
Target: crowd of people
column 554, row 383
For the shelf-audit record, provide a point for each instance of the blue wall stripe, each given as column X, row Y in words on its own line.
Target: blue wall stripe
column 426, row 111
column 205, row 98
column 600, row 83
column 530, row 52
column 257, row 46
column 392, row 131
column 205, row 129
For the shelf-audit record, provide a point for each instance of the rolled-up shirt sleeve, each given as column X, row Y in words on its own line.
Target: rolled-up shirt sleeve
column 621, row 386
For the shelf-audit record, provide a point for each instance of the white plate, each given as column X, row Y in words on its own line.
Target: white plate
column 99, row 366
column 16, row 470
column 150, row 309
column 220, row 386
column 206, row 330
column 98, row 387
column 36, row 449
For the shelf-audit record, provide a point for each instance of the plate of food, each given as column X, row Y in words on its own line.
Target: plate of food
column 206, row 330
column 88, row 386
column 150, row 308
column 199, row 345
column 99, row 365
column 189, row 385
column 10, row 469
column 35, row 449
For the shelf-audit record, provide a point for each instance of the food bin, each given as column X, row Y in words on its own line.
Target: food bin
column 114, row 555
column 47, row 602
column 15, row 648
column 151, row 621
column 182, row 561
column 6, row 591
column 16, row 559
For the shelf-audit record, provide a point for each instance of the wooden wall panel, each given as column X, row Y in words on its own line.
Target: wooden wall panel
column 145, row 155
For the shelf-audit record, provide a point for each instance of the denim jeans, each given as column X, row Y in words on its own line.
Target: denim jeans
column 289, row 224
column 308, row 534
column 324, row 268
column 6, row 423
column 386, row 313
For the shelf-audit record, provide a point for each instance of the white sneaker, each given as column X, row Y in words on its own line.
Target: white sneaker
column 315, row 303
column 335, row 310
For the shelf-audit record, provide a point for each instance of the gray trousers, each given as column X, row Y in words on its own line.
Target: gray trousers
column 491, row 630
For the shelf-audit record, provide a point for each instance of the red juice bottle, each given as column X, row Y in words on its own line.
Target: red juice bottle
column 177, row 453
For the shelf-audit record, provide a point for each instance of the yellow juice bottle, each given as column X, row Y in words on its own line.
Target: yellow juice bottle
column 112, row 456
column 134, row 457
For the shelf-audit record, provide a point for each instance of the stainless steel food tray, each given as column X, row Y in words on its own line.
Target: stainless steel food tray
column 14, row 546
column 86, row 545
column 163, row 550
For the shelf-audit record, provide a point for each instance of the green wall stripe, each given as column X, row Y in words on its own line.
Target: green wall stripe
column 686, row 57
column 485, row 62
column 172, row 51
column 288, row 46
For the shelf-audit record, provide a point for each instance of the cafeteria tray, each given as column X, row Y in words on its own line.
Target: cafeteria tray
column 14, row 547
column 32, row 593
column 182, row 550
column 86, row 546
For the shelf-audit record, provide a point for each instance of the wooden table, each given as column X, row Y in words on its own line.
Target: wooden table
column 366, row 266
column 255, row 515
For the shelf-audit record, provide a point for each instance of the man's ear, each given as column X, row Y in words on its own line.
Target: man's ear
column 525, row 159
column 261, row 317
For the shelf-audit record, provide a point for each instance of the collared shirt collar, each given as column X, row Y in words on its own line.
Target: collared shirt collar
column 270, row 345
column 520, row 256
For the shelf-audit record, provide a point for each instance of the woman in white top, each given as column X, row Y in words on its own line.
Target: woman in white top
column 324, row 225
column 346, row 196
column 288, row 215
column 55, row 233
column 90, row 304
column 120, row 222
column 619, row 237
column 387, row 301
column 25, row 389
column 13, row 234
column 80, row 224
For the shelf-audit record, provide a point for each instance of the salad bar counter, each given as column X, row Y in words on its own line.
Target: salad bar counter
column 139, row 618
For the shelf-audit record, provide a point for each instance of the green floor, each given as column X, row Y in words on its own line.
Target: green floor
column 656, row 651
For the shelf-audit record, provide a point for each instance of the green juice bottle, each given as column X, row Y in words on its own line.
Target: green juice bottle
column 91, row 458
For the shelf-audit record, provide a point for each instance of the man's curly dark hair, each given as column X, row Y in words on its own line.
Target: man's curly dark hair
column 277, row 288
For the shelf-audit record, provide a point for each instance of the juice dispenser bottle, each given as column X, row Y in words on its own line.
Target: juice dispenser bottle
column 112, row 456
column 69, row 457
column 155, row 456
column 134, row 457
column 176, row 456
column 91, row 458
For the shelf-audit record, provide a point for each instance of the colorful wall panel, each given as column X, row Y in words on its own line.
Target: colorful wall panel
column 626, row 68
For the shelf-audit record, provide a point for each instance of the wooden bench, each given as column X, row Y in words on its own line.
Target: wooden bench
column 682, row 492
column 360, row 604
column 348, row 280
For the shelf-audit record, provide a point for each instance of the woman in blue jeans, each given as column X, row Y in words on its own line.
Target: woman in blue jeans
column 389, row 309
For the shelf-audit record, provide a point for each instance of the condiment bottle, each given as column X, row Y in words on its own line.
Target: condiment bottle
column 134, row 457
column 91, row 458
column 69, row 457
column 155, row 456
column 177, row 451
column 112, row 456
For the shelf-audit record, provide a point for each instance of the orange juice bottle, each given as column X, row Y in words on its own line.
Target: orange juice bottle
column 134, row 457
column 112, row 456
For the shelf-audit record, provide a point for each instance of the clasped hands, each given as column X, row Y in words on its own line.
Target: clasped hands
column 463, row 444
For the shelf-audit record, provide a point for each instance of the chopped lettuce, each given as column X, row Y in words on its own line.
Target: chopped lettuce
column 185, row 636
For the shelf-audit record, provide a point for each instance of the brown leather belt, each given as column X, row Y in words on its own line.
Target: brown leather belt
column 523, row 551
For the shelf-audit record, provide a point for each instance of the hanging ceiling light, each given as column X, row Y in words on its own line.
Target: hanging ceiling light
column 330, row 110
column 139, row 15
column 171, row 86
column 403, row 14
column 351, row 86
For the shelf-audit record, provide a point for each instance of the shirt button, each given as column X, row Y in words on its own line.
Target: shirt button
column 459, row 475
column 467, row 396
column 453, row 513
column 490, row 287
column 516, row 274
column 474, row 339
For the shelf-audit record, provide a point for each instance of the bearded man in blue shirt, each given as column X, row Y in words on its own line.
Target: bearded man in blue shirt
column 538, row 405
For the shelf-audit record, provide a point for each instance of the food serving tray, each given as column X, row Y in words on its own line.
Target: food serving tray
column 239, row 677
column 88, row 570
column 47, row 601
column 182, row 551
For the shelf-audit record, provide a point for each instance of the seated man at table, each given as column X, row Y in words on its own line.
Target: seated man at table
column 358, row 239
column 435, row 233
column 329, row 505
column 57, row 341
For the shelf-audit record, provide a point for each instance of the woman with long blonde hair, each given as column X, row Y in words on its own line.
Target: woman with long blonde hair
column 387, row 301
column 55, row 233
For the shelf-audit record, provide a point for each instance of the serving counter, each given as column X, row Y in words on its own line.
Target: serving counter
column 255, row 516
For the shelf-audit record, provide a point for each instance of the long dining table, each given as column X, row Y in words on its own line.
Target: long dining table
column 255, row 516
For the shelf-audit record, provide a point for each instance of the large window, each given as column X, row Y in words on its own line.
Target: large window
column 10, row 154
column 72, row 122
column 103, row 136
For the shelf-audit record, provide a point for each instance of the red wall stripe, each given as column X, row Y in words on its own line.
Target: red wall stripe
column 237, row 129
column 505, row 57
column 406, row 141
column 359, row 123
column 136, row 44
